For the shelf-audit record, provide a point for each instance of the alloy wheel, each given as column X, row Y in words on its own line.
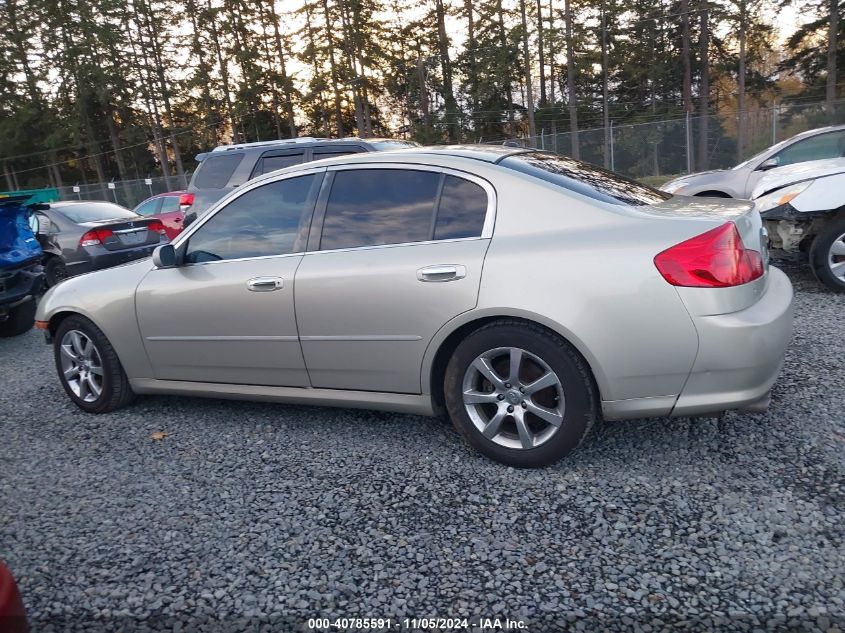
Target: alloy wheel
column 82, row 366
column 513, row 397
column 836, row 257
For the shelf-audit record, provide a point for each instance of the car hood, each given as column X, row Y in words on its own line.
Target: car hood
column 790, row 174
column 701, row 178
column 17, row 242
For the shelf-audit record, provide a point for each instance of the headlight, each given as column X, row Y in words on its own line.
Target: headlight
column 781, row 196
column 672, row 186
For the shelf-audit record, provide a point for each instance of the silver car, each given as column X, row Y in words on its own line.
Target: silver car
column 740, row 181
column 526, row 294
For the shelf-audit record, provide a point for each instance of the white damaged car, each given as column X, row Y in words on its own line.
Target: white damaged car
column 803, row 210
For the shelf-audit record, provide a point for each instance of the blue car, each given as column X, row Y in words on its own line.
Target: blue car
column 21, row 273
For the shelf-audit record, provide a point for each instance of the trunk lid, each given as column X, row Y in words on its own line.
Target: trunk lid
column 18, row 244
column 719, row 210
column 125, row 233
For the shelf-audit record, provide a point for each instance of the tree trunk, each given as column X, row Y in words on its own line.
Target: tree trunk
column 704, row 89
column 353, row 72
column 832, row 50
column 529, row 92
column 505, row 72
column 315, row 66
column 224, row 71
column 197, row 50
column 542, row 55
column 333, row 65
column 424, row 99
column 740, row 124
column 472, row 79
column 551, row 54
column 604, row 90
column 453, row 124
column 687, row 79
column 570, row 81
column 286, row 83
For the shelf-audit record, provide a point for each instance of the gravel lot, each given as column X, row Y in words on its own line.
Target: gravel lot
column 258, row 516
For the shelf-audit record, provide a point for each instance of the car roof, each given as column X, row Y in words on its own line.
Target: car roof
column 68, row 203
column 485, row 153
column 819, row 130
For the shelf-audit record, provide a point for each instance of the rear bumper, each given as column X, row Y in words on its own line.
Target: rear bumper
column 93, row 258
column 739, row 354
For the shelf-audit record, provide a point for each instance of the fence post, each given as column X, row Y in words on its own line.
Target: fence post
column 612, row 161
column 774, row 121
column 689, row 152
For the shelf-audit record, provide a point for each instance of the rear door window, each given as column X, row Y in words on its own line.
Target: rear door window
column 374, row 207
column 170, row 204
column 462, row 209
column 319, row 153
column 216, row 170
column 278, row 159
column 150, row 207
column 584, row 178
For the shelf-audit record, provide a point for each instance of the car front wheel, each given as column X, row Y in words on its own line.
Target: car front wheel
column 520, row 394
column 827, row 255
column 88, row 367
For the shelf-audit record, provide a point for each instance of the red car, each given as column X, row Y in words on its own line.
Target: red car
column 170, row 208
column 12, row 613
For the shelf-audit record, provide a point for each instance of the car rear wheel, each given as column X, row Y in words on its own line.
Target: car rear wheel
column 88, row 367
column 20, row 319
column 827, row 255
column 54, row 271
column 520, row 394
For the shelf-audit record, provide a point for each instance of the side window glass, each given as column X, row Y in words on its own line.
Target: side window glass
column 273, row 163
column 372, row 207
column 462, row 210
column 215, row 171
column 831, row 145
column 149, row 207
column 169, row 204
column 269, row 220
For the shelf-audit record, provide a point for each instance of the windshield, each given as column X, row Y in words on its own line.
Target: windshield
column 584, row 178
column 95, row 212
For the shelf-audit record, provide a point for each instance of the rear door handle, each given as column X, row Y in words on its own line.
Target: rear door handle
column 442, row 272
column 265, row 284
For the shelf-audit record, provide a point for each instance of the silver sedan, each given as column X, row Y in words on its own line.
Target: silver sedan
column 526, row 294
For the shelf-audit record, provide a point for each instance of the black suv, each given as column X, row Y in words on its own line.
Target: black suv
column 228, row 166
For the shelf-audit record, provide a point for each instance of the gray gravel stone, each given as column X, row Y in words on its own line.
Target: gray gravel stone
column 256, row 517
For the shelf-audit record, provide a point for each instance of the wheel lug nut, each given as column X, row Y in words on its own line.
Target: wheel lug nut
column 524, row 404
column 510, row 409
column 522, row 390
column 501, row 396
column 507, row 385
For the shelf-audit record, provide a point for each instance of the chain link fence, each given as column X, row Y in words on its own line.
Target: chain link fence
column 659, row 149
column 127, row 193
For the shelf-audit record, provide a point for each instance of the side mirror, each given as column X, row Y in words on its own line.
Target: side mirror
column 164, row 256
column 769, row 163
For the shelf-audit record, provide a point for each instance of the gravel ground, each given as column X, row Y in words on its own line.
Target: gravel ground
column 258, row 517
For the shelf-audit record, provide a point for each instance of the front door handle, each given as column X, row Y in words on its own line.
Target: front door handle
column 265, row 284
column 442, row 272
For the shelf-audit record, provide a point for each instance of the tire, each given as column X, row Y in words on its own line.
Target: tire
column 54, row 271
column 20, row 319
column 539, row 442
column 828, row 251
column 70, row 349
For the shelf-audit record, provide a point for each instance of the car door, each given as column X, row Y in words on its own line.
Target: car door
column 225, row 314
column 396, row 252
column 171, row 216
column 276, row 159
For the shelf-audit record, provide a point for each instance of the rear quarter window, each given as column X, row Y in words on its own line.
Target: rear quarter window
column 584, row 178
column 215, row 171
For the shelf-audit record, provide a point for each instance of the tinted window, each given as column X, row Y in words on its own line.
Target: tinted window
column 169, row 204
column 462, row 210
column 584, row 178
column 369, row 207
column 94, row 212
column 214, row 172
column 149, row 207
column 272, row 163
column 830, row 145
column 268, row 220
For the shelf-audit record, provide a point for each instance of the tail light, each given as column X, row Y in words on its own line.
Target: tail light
column 186, row 200
column 97, row 236
column 715, row 259
column 157, row 226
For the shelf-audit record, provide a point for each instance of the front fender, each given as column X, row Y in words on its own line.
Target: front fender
column 106, row 297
